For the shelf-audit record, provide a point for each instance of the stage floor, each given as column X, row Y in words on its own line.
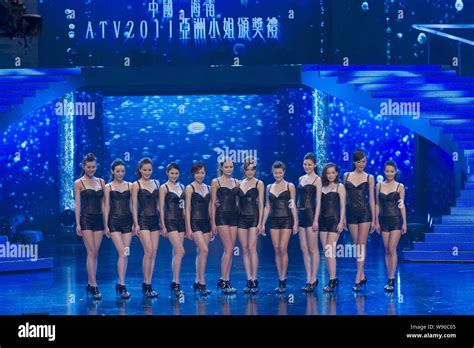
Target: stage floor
column 422, row 288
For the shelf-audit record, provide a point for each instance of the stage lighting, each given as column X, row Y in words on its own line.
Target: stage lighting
column 67, row 217
column 14, row 22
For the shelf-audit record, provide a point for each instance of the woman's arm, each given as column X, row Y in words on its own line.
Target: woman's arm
column 402, row 208
column 77, row 206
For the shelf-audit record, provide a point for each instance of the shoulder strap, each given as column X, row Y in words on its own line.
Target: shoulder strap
column 128, row 185
column 256, row 184
column 368, row 176
column 101, row 185
column 288, row 186
column 110, row 187
column 315, row 180
column 82, row 182
column 235, row 183
column 397, row 187
column 346, row 177
column 167, row 189
column 182, row 187
column 218, row 182
column 380, row 187
column 192, row 186
column 156, row 185
column 139, row 186
column 337, row 188
column 208, row 188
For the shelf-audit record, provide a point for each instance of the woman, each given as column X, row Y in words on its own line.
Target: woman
column 391, row 214
column 331, row 219
column 251, row 195
column 145, row 200
column 89, row 205
column 360, row 210
column 281, row 209
column 172, row 221
column 309, row 203
column 224, row 218
column 198, row 225
column 118, row 221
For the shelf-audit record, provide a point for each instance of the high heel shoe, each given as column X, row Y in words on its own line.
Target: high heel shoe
column 333, row 284
column 121, row 291
column 390, row 286
column 94, row 291
column 357, row 287
column 203, row 290
column 309, row 287
column 196, row 286
column 220, row 284
column 148, row 291
column 254, row 288
column 228, row 289
column 248, row 287
column 364, row 281
column 176, row 290
column 281, row 287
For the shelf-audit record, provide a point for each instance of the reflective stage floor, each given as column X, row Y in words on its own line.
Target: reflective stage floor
column 421, row 288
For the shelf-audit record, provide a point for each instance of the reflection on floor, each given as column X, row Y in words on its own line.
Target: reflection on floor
column 421, row 288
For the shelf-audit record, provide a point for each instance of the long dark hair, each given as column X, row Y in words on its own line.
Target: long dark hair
column 394, row 165
column 221, row 164
column 145, row 160
column 324, row 176
column 88, row 158
column 357, row 156
column 115, row 163
column 312, row 157
column 172, row 165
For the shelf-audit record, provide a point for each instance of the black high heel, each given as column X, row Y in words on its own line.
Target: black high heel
column 203, row 290
column 220, row 284
column 315, row 284
column 148, row 291
column 254, row 288
column 357, row 287
column 94, row 291
column 333, row 284
column 281, row 287
column 121, row 291
column 390, row 286
column 228, row 289
column 309, row 287
column 364, row 281
column 196, row 286
column 248, row 287
column 176, row 290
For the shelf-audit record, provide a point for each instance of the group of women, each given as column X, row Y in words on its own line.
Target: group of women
column 320, row 207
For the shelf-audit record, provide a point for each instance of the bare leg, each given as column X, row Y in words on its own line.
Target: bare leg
column 388, row 257
column 253, row 238
column 145, row 239
column 226, row 238
column 202, row 242
column 244, row 243
column 92, row 252
column 313, row 248
column 155, row 239
column 305, row 252
column 275, row 234
column 233, row 234
column 285, row 235
column 177, row 241
column 122, row 244
column 393, row 243
column 331, row 240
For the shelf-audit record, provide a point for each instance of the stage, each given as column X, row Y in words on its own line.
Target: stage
column 421, row 288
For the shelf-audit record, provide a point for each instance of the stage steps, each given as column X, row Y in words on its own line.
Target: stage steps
column 25, row 90
column 446, row 104
column 17, row 264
